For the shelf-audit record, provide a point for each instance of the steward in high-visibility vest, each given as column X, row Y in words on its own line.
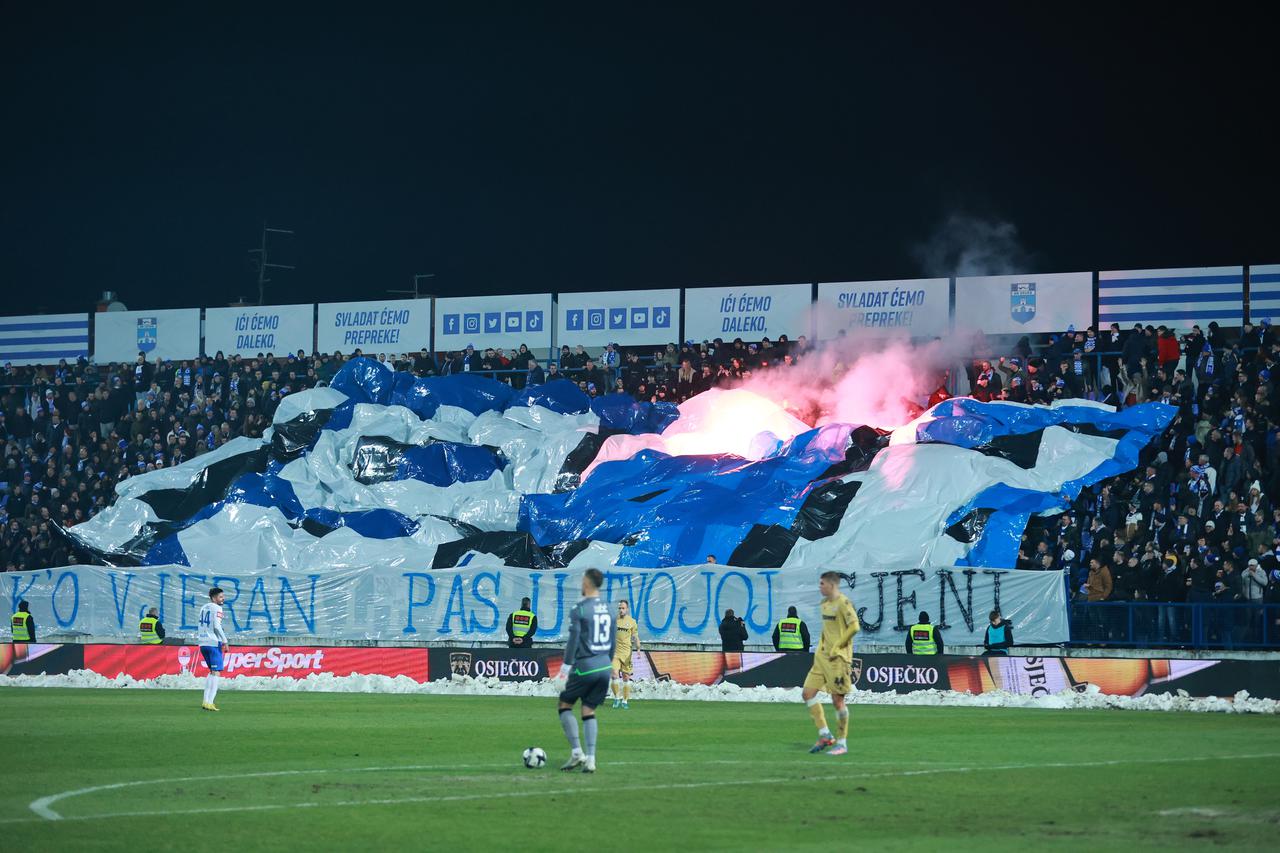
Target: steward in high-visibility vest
column 150, row 631
column 791, row 634
column 923, row 638
column 24, row 626
column 521, row 626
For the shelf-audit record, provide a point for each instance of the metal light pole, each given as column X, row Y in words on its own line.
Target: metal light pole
column 264, row 264
column 416, row 293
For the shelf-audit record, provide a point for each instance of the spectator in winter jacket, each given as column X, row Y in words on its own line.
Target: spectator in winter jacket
column 1134, row 350
column 535, row 375
column 1170, row 588
column 1099, row 584
column 1253, row 583
column 1231, row 473
column 1167, row 350
column 593, row 375
column 733, row 632
column 1127, row 582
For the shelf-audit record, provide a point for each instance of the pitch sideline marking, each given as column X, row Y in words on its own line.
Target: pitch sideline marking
column 42, row 806
column 49, row 814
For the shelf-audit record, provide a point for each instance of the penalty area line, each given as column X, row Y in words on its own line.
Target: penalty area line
column 450, row 798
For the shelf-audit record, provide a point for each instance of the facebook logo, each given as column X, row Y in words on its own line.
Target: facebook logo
column 492, row 322
column 533, row 321
column 595, row 318
column 471, row 324
column 618, row 318
column 452, row 324
column 662, row 317
column 513, row 321
column 639, row 318
column 573, row 320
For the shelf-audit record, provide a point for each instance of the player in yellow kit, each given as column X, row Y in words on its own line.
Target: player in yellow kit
column 831, row 665
column 628, row 642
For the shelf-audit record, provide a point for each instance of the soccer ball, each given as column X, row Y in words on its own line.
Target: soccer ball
column 534, row 757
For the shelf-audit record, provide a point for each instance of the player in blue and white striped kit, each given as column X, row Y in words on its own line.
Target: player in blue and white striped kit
column 213, row 644
column 588, row 664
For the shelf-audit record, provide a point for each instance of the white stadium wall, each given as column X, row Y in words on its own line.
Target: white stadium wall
column 1264, row 293
column 494, row 321
column 628, row 318
column 249, row 331
column 1178, row 298
column 383, row 326
column 166, row 334
column 44, row 338
column 905, row 308
column 911, row 308
column 1024, row 304
column 750, row 313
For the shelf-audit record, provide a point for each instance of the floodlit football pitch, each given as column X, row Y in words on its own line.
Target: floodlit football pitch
column 147, row 769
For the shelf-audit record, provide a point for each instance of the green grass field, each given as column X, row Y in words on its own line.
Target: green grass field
column 277, row 771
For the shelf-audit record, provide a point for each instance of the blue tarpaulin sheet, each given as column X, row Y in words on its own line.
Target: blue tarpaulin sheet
column 443, row 463
column 669, row 510
column 364, row 380
column 621, row 413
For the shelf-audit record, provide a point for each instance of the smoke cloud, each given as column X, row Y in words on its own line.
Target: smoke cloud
column 882, row 383
column 969, row 245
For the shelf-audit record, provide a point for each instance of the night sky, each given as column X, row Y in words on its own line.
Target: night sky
column 612, row 146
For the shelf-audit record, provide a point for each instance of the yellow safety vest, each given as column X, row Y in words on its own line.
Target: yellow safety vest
column 789, row 638
column 922, row 642
column 147, row 630
column 521, row 621
column 21, row 627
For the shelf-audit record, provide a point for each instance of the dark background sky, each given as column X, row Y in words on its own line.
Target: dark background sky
column 510, row 148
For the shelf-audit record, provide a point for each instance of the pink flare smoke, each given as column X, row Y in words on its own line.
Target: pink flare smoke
column 883, row 385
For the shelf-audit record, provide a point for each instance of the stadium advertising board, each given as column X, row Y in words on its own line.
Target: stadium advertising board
column 40, row 658
column 914, row 308
column 628, row 318
column 869, row 671
column 249, row 331
column 44, row 338
column 531, row 664
column 494, row 321
column 274, row 661
column 1264, row 293
column 1023, row 304
column 395, row 326
column 672, row 605
column 1023, row 676
column 750, row 313
column 168, row 334
column 1177, row 298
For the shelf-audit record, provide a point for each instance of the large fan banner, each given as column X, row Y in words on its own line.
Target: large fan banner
column 388, row 603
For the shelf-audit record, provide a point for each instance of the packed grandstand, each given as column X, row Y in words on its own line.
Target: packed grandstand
column 1191, row 520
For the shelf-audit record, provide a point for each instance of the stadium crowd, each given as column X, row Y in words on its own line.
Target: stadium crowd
column 1195, row 523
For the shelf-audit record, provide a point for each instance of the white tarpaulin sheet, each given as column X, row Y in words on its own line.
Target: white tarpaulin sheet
column 679, row 605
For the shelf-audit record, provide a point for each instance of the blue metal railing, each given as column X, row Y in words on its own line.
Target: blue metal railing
column 1193, row 626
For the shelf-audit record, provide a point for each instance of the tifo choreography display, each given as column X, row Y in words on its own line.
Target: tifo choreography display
column 383, row 468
